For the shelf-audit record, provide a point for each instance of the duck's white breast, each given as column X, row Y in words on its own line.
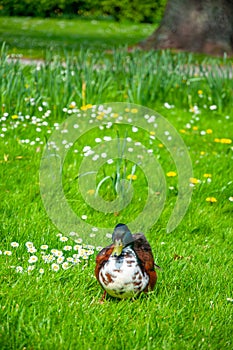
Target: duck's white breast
column 121, row 276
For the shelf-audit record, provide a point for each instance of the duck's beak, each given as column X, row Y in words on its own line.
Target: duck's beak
column 118, row 246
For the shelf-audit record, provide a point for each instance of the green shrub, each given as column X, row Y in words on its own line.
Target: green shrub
column 46, row 8
column 137, row 11
column 125, row 10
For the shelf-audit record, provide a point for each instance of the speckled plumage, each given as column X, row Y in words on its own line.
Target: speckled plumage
column 130, row 273
column 122, row 276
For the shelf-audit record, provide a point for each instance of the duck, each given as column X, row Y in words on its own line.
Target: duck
column 126, row 268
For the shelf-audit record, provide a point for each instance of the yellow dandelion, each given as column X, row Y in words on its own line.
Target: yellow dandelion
column 86, row 107
column 99, row 117
column 223, row 140
column 227, row 141
column 171, row 174
column 152, row 133
column 202, row 153
column 15, row 116
column 127, row 109
column 134, row 110
column 211, row 199
column 160, row 145
column 91, row 192
column 195, row 128
column 182, row 131
column 207, row 175
column 132, row 177
column 209, row 131
column 194, row 181
column 200, row 92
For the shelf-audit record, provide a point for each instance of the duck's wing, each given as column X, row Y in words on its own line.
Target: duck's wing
column 101, row 258
column 144, row 253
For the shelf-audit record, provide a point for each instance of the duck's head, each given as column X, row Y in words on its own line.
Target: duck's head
column 121, row 237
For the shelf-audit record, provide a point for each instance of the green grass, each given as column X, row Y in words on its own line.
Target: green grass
column 191, row 307
column 32, row 37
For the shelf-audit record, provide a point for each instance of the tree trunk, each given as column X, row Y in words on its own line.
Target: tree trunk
column 204, row 26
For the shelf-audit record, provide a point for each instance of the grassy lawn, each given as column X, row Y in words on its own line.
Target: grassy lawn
column 31, row 37
column 49, row 297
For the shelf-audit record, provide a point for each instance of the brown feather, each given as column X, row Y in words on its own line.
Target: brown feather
column 144, row 253
column 101, row 258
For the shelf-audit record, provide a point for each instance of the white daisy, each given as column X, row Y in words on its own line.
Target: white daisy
column 32, row 250
column 19, row 269
column 67, row 247
column 60, row 259
column 14, row 244
column 7, row 252
column 30, row 268
column 63, row 239
column 29, row 245
column 32, row 259
column 55, row 267
column 65, row 265
column 70, row 259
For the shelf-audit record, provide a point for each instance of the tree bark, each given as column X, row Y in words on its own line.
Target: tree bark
column 204, row 26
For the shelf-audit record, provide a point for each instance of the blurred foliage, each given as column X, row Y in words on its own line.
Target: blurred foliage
column 148, row 12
